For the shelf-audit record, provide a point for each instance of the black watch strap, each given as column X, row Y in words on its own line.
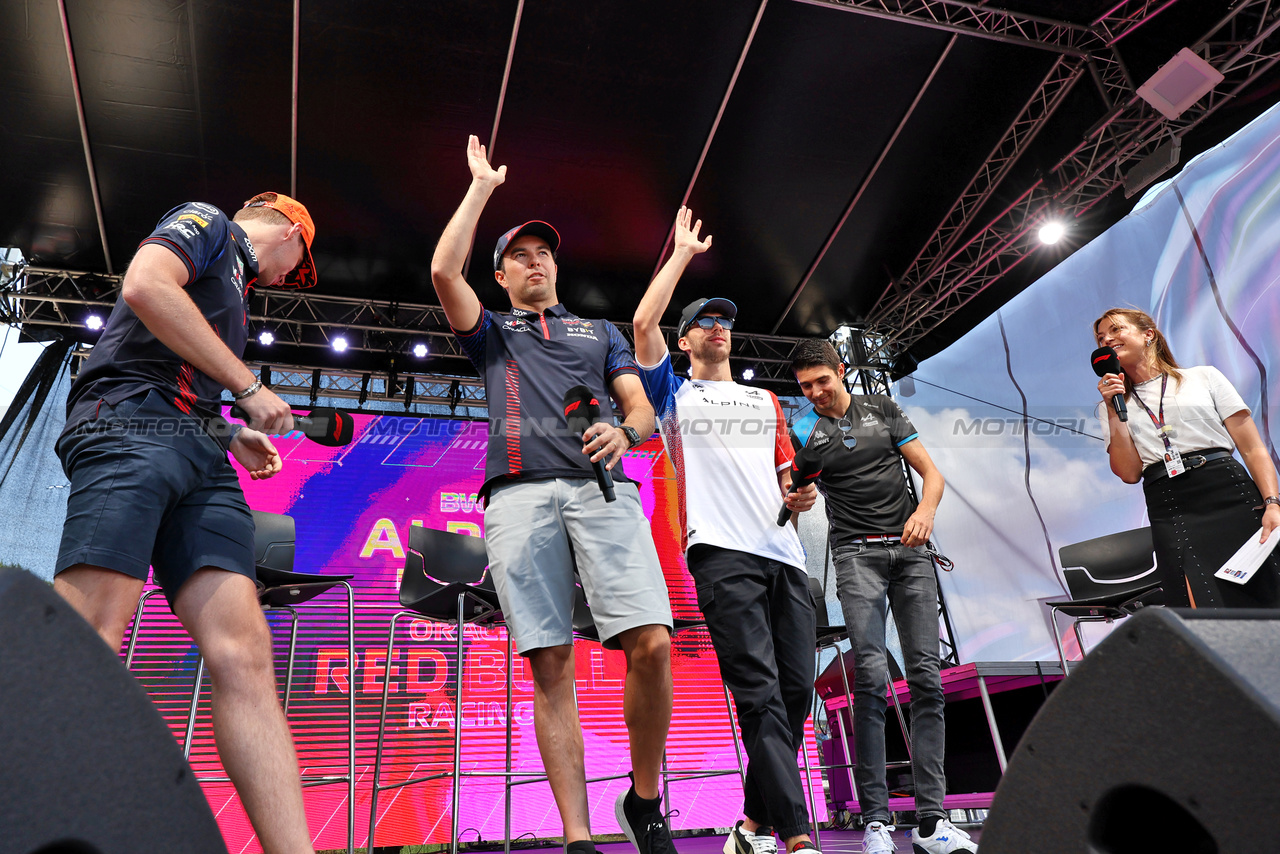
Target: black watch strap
column 633, row 438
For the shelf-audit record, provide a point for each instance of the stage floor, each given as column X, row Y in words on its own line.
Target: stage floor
column 833, row 842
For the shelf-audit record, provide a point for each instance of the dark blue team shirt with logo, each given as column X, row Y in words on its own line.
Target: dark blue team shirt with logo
column 128, row 360
column 528, row 361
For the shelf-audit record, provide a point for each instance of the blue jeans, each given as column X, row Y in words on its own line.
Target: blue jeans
column 869, row 577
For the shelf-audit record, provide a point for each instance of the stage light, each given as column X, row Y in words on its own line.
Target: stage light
column 339, row 344
column 1051, row 232
column 266, row 338
column 420, row 350
column 748, row 374
column 94, row 322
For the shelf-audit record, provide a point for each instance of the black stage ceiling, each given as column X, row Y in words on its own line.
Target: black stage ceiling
column 825, row 144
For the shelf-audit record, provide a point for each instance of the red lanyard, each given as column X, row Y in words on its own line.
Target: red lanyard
column 1159, row 422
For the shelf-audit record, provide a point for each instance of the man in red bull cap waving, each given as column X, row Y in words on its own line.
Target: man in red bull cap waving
column 545, row 513
column 145, row 448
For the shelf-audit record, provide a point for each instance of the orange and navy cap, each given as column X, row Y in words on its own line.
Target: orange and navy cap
column 537, row 228
column 304, row 275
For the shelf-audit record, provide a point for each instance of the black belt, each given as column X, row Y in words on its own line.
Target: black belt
column 1155, row 471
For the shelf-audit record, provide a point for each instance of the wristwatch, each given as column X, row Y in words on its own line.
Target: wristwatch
column 633, row 438
column 1270, row 499
column 253, row 389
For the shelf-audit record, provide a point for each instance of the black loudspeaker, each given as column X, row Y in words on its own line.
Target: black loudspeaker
column 1165, row 738
column 87, row 765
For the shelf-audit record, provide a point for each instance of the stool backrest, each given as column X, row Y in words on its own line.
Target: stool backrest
column 1114, row 564
column 446, row 557
column 274, row 535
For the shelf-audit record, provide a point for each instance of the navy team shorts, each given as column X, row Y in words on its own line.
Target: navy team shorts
column 150, row 488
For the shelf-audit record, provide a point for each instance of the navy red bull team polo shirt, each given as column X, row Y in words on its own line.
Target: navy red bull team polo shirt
column 127, row 360
column 528, row 361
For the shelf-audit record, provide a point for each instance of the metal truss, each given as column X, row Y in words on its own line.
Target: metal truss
column 38, row 298
column 979, row 20
column 1080, row 48
column 346, row 385
column 1243, row 46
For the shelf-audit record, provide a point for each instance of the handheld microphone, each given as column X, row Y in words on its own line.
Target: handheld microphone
column 1105, row 361
column 805, row 469
column 581, row 410
column 324, row 426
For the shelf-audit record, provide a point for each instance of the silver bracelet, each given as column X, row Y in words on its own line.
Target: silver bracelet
column 248, row 392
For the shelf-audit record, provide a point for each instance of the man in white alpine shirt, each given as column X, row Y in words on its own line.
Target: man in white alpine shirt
column 729, row 446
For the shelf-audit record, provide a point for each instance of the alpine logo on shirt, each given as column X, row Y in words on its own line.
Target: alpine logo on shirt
column 869, row 420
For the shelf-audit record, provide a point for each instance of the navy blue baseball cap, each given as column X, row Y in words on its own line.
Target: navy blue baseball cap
column 701, row 306
column 537, row 228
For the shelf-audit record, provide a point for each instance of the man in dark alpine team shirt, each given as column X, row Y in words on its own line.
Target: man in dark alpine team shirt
column 879, row 544
column 544, row 511
column 145, row 448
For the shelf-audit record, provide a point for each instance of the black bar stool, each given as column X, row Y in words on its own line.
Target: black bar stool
column 280, row 589
column 446, row 580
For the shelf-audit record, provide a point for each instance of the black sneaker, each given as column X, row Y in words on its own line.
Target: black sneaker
column 643, row 823
column 743, row 841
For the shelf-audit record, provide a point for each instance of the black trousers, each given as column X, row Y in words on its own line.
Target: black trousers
column 761, row 620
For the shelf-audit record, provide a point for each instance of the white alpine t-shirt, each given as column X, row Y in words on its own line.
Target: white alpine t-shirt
column 727, row 442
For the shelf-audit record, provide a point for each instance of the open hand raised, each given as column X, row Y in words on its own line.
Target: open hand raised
column 478, row 160
column 687, row 236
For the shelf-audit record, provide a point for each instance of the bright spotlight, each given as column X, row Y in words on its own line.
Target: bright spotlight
column 748, row 373
column 94, row 322
column 266, row 338
column 420, row 350
column 1051, row 232
column 339, row 344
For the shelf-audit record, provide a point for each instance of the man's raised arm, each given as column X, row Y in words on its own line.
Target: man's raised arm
column 650, row 347
column 461, row 306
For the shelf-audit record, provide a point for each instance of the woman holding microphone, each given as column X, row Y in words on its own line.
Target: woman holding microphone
column 1202, row 503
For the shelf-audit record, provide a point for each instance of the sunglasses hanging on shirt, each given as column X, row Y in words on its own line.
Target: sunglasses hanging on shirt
column 845, row 426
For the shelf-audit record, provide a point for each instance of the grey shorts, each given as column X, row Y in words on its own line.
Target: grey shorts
column 537, row 532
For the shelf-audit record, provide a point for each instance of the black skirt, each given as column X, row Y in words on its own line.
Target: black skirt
column 1198, row 520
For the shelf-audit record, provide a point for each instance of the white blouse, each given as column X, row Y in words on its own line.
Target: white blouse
column 1195, row 408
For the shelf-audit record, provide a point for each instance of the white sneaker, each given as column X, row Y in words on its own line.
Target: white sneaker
column 878, row 838
column 743, row 841
column 946, row 839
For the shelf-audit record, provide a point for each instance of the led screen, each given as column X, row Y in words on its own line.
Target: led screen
column 353, row 507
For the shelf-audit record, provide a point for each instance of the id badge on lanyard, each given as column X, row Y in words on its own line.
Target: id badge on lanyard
column 1172, row 459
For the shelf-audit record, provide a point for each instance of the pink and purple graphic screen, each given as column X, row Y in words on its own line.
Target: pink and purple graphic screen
column 353, row 507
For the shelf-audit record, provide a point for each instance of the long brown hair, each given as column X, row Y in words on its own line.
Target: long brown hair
column 1159, row 357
